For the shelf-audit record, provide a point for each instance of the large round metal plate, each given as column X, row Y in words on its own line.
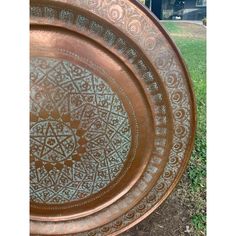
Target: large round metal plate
column 112, row 116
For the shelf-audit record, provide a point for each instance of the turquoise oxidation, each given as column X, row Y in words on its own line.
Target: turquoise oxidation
column 80, row 134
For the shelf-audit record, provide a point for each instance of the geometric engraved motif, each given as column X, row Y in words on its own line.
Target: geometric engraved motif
column 52, row 141
column 80, row 134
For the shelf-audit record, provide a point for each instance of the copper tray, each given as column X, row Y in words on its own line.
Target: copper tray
column 112, row 116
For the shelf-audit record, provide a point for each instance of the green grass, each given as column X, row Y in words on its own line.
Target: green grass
column 172, row 27
column 193, row 50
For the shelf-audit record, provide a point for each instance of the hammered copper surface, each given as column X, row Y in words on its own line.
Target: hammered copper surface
column 112, row 116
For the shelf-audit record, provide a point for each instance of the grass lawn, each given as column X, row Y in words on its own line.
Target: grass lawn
column 191, row 41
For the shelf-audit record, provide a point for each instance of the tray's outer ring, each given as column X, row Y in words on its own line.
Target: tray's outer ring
column 193, row 119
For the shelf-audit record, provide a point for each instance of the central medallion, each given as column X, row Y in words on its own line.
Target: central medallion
column 80, row 135
column 52, row 141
